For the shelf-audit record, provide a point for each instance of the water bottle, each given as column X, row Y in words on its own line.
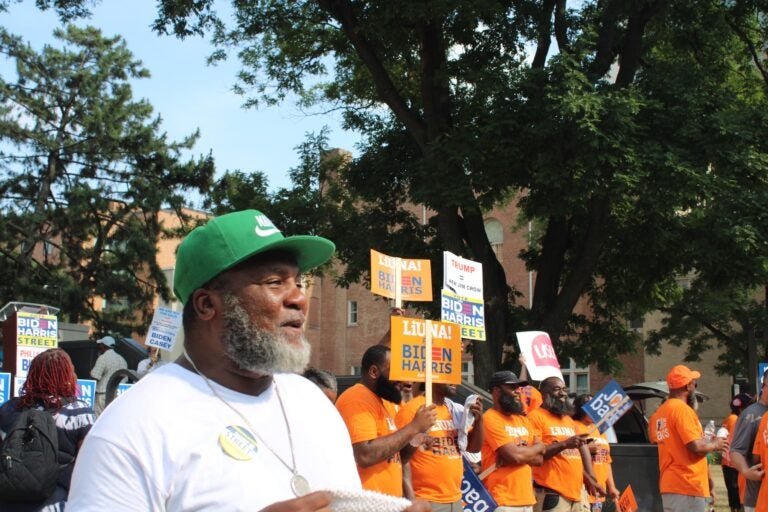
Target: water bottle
column 709, row 430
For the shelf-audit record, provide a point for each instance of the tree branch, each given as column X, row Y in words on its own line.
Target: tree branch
column 544, row 30
column 341, row 11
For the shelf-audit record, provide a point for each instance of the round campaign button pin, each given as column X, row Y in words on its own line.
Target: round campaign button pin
column 238, row 442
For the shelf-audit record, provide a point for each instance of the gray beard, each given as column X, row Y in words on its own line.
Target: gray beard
column 255, row 350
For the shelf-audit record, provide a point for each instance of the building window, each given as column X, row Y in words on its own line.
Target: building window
column 637, row 323
column 354, row 370
column 49, row 249
column 351, row 312
column 576, row 379
column 495, row 232
column 468, row 372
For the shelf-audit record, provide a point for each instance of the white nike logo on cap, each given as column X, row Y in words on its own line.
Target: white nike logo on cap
column 264, row 226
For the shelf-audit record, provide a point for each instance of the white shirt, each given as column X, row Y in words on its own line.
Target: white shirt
column 157, row 447
column 107, row 364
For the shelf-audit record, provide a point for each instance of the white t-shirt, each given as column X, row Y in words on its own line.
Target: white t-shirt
column 157, row 447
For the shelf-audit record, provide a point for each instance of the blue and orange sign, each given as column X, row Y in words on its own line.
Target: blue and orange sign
column 409, row 354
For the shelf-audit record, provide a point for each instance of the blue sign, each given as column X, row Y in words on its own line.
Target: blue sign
column 5, row 387
column 86, row 391
column 761, row 368
column 469, row 313
column 122, row 388
column 608, row 405
column 475, row 496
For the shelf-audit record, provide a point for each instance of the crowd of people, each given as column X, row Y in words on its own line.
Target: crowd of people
column 240, row 422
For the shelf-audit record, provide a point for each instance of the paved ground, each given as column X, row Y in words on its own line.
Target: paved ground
column 721, row 503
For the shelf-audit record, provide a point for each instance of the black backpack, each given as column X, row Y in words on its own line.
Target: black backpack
column 29, row 457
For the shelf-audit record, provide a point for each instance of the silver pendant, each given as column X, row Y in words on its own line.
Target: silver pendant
column 299, row 485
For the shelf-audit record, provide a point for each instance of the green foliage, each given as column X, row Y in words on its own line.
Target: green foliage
column 637, row 144
column 85, row 171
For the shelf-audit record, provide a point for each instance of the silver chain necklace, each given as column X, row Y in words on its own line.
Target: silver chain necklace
column 299, row 484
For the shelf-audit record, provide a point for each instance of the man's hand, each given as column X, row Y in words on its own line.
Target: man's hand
column 425, row 417
column 319, row 501
column 755, row 473
column 477, row 409
column 575, row 441
column 593, row 487
column 614, row 493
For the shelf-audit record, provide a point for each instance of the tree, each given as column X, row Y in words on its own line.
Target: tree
column 607, row 140
column 85, row 172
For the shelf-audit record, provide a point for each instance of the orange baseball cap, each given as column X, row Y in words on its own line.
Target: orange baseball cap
column 680, row 375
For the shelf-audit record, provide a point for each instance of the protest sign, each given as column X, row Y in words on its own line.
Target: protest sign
column 409, row 351
column 627, row 502
column 468, row 313
column 5, row 387
column 36, row 330
column 24, row 357
column 164, row 329
column 86, row 391
column 608, row 405
column 463, row 277
column 474, row 495
column 122, row 388
column 540, row 357
column 415, row 277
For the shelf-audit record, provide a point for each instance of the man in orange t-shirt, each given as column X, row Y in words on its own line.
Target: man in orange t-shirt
column 436, row 466
column 567, row 463
column 509, row 447
column 368, row 409
column 684, row 475
column 600, row 450
column 757, row 472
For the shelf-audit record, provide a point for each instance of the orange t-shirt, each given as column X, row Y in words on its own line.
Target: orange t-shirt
column 729, row 423
column 601, row 459
column 436, row 472
column 760, row 448
column 563, row 473
column 512, row 485
column 531, row 398
column 672, row 427
column 369, row 417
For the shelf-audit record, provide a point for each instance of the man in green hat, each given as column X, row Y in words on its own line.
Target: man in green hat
column 230, row 425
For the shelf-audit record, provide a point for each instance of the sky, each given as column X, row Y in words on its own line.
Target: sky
column 189, row 94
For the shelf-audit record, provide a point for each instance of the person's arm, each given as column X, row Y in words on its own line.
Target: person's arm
column 407, row 482
column 610, row 486
column 373, row 451
column 475, row 436
column 590, row 480
column 553, row 449
column 514, row 454
column 704, row 446
column 97, row 372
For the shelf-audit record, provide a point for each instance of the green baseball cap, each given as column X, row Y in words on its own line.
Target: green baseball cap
column 230, row 239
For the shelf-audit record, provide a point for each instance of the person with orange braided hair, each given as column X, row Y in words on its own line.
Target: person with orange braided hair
column 51, row 385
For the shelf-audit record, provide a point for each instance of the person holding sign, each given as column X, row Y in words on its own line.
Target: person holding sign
column 567, row 462
column 684, row 480
column 600, row 450
column 509, row 447
column 436, row 466
column 230, row 425
column 368, row 410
